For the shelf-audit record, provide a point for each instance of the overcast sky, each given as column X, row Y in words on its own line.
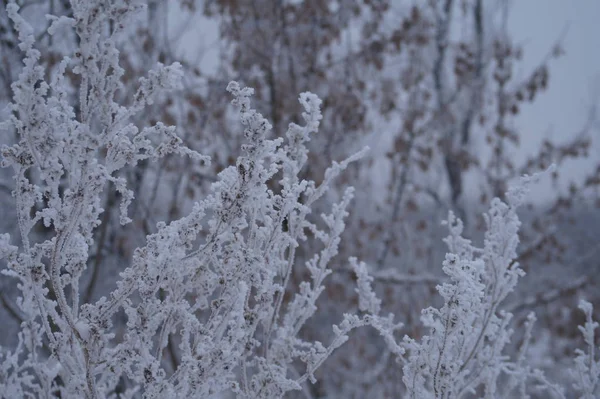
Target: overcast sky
column 574, row 79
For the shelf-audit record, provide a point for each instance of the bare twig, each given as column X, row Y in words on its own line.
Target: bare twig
column 545, row 298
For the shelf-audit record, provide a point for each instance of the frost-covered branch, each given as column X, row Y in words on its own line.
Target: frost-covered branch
column 209, row 285
column 467, row 335
column 587, row 364
column 208, row 305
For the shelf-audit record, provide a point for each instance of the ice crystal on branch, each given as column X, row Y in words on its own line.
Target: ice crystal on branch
column 587, row 368
column 207, row 287
column 208, row 305
column 463, row 352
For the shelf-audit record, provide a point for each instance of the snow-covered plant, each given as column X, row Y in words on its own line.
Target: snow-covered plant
column 203, row 301
column 463, row 353
column 62, row 162
column 586, row 372
column 207, row 306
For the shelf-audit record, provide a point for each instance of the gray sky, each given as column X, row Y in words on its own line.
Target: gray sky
column 574, row 79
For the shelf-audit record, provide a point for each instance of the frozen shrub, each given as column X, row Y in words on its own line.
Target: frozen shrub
column 201, row 308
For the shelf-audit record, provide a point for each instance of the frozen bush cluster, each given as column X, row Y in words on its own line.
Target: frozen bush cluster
column 212, row 285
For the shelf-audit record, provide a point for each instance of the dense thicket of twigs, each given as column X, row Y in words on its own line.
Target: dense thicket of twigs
column 161, row 242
